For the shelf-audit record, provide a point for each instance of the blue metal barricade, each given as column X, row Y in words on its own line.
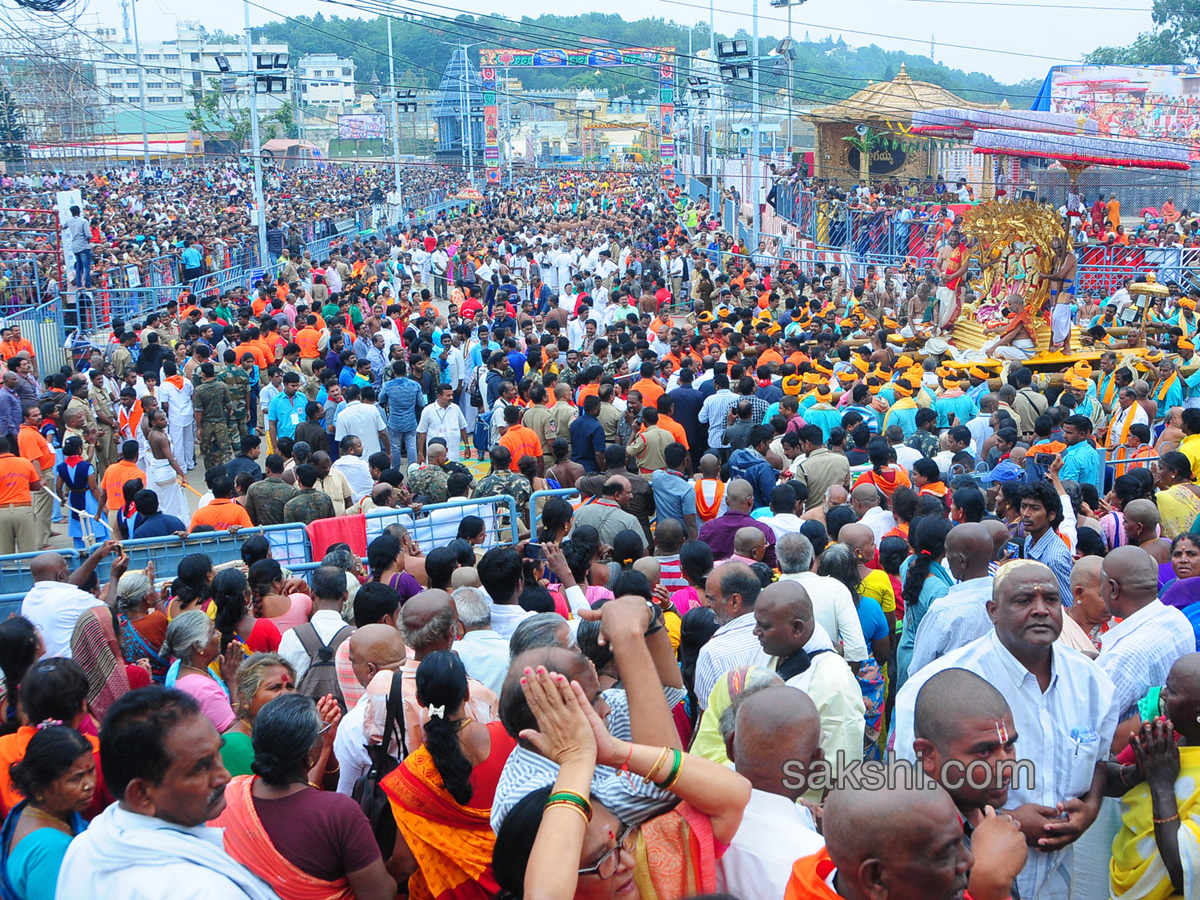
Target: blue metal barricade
column 43, row 327
column 572, row 496
column 436, row 525
column 17, row 579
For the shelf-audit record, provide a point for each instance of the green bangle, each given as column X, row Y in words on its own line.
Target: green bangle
column 577, row 800
column 666, row 783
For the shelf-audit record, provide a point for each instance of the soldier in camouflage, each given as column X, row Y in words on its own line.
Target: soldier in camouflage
column 501, row 480
column 237, row 380
column 213, row 405
column 428, row 483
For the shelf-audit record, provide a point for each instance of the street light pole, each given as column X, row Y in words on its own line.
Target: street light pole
column 713, row 194
column 395, row 118
column 256, row 151
column 137, row 49
column 508, row 122
column 789, row 80
column 756, row 143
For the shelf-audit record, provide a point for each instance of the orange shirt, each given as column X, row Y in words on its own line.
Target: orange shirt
column 308, row 338
column 17, row 476
column 770, row 355
column 114, row 480
column 588, row 390
column 650, row 390
column 12, row 749
column 521, row 441
column 34, row 447
column 260, row 358
column 220, row 514
column 258, row 305
column 9, row 349
column 267, row 350
column 666, row 423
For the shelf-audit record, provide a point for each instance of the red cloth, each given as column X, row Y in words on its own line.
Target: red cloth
column 351, row 530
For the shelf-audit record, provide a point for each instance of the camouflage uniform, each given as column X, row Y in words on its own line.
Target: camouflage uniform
column 308, row 506
column 238, row 382
column 213, row 403
column 567, row 375
column 499, row 483
column 266, row 499
column 924, row 442
column 429, row 482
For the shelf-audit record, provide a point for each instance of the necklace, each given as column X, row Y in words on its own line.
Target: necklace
column 55, row 821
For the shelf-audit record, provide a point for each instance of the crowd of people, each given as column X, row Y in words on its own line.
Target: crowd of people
column 819, row 613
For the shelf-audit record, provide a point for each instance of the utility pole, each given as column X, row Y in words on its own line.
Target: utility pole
column 756, row 143
column 395, row 117
column 714, row 196
column 789, row 79
column 508, row 122
column 256, row 147
column 137, row 47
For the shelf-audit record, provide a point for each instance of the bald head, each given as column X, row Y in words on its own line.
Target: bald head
column 1086, row 572
column 749, row 542
column 857, row 537
column 374, row 647
column 783, row 618
column 48, row 567
column 710, row 466
column 776, row 738
column 429, row 621
column 864, row 497
column 901, row 842
column 650, row 567
column 1129, row 580
column 835, row 495
column 739, row 495
column 950, row 697
column 969, row 550
column 1000, row 536
column 1141, row 520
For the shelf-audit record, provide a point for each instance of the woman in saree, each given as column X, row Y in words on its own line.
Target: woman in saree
column 95, row 647
column 1156, row 854
column 558, row 843
column 57, row 778
column 307, row 844
column 441, row 795
column 1178, row 497
column 261, row 678
column 142, row 626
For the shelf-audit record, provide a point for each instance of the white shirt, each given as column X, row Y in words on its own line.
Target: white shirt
column 484, row 655
column 783, row 523
column 1138, row 652
column 357, row 473
column 732, row 645
column 906, row 455
column 834, row 611
column 350, row 747
column 774, row 833
column 327, row 624
column 364, row 421
column 54, row 607
column 831, row 685
column 178, row 402
column 953, row 621
column 506, row 617
column 880, row 521
column 1064, row 731
column 447, row 424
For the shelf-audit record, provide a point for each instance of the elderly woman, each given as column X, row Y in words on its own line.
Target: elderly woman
column 558, row 843
column 1178, row 497
column 334, row 855
column 141, row 624
column 194, row 642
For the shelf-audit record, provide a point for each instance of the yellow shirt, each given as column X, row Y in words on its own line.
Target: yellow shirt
column 878, row 585
column 1190, row 447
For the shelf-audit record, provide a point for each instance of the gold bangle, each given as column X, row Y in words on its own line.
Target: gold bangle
column 662, row 758
column 567, row 804
column 1174, row 818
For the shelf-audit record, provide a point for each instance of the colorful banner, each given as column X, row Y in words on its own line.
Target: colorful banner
column 663, row 58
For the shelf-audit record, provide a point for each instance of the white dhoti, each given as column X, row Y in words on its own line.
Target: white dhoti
column 163, row 481
column 947, row 306
column 1021, row 348
column 1060, row 322
column 183, row 444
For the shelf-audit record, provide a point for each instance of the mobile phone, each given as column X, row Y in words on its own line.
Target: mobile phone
column 1013, row 550
column 534, row 551
column 1044, row 459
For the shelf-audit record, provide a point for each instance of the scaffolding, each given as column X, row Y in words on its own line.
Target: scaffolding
column 50, row 76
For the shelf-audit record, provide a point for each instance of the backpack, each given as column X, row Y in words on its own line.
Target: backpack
column 321, row 676
column 476, row 398
column 367, row 793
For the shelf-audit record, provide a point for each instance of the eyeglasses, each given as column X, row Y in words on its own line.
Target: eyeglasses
column 606, row 866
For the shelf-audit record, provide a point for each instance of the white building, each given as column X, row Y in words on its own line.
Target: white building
column 174, row 68
column 327, row 80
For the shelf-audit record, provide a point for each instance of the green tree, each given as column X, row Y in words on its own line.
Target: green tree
column 217, row 114
column 13, row 133
column 1174, row 41
column 1180, row 22
column 285, row 119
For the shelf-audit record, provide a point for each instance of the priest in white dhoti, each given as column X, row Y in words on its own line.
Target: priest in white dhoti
column 165, row 475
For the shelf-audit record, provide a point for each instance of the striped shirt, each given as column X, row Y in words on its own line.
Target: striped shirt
column 1065, row 732
column 672, row 574
column 1138, row 652
column 732, row 645
column 953, row 621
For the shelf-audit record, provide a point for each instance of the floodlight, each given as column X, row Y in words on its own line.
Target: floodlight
column 222, row 62
column 737, row 72
column 733, row 48
column 270, row 84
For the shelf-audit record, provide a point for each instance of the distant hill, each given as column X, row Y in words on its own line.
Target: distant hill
column 824, row 71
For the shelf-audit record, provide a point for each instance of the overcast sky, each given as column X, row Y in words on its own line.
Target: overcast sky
column 1009, row 41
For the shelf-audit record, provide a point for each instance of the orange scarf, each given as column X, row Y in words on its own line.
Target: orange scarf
column 708, row 511
column 129, row 419
column 808, row 878
column 247, row 841
column 176, row 380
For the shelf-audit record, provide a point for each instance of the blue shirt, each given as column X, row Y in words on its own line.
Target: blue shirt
column 587, row 439
column 674, row 496
column 1081, row 463
column 191, row 258
column 1052, row 550
column 687, row 402
column 402, row 397
column 158, row 525
column 286, row 413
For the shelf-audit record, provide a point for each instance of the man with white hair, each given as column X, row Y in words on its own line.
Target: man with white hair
column 484, row 653
column 833, row 606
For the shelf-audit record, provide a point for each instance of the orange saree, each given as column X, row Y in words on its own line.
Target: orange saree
column 452, row 843
column 248, row 842
column 676, row 856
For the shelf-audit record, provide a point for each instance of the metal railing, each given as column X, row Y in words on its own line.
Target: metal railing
column 570, row 493
column 43, row 327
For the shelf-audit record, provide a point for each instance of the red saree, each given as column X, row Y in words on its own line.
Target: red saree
column 248, row 842
column 452, row 843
